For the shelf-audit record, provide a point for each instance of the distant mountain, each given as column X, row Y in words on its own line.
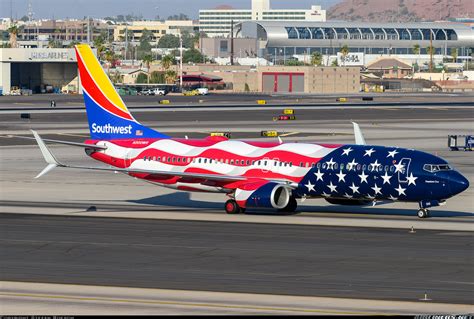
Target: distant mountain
column 401, row 10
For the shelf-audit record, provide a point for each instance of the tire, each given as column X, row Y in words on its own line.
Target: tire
column 423, row 213
column 231, row 207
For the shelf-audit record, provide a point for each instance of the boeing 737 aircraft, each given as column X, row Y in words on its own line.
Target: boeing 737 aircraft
column 254, row 175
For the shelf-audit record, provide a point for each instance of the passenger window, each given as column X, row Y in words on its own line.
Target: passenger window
column 169, row 159
column 242, row 162
column 386, row 168
column 179, row 159
column 199, row 161
column 301, row 164
column 158, row 159
column 364, row 167
column 258, row 163
column 281, row 164
column 253, row 162
column 174, row 159
column 265, row 163
column 248, row 162
column 359, row 167
column 336, row 166
column 307, row 164
column 324, row 166
column 231, row 162
column 319, row 165
column 291, row 164
column 392, row 169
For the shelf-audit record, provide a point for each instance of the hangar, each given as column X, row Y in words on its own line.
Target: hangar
column 39, row 70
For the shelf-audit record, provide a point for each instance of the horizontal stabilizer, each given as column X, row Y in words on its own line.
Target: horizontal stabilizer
column 84, row 145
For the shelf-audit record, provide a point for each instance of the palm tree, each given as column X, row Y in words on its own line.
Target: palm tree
column 13, row 30
column 167, row 61
column 148, row 59
column 110, row 58
column 316, row 58
column 416, row 50
column 344, row 52
column 170, row 76
column 454, row 54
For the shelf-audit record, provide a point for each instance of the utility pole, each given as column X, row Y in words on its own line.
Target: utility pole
column 231, row 42
column 431, row 51
column 180, row 62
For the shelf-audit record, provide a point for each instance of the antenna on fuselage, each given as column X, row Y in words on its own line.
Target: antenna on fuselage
column 359, row 137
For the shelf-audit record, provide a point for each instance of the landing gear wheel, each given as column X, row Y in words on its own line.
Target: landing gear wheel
column 231, row 207
column 423, row 213
column 290, row 207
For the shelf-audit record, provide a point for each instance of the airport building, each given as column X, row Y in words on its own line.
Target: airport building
column 217, row 22
column 281, row 40
column 38, row 70
column 158, row 29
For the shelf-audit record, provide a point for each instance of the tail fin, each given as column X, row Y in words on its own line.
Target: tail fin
column 108, row 116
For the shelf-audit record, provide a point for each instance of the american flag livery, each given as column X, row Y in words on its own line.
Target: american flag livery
column 253, row 174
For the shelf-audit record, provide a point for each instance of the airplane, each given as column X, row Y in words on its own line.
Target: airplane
column 253, row 174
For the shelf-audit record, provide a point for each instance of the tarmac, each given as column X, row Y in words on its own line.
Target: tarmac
column 144, row 236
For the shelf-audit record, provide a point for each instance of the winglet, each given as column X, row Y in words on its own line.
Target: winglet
column 359, row 137
column 48, row 156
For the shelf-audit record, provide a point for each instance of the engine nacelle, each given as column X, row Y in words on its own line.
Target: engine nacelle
column 348, row 202
column 268, row 195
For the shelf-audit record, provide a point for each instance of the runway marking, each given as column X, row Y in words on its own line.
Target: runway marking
column 76, row 135
column 187, row 304
column 289, row 134
column 438, row 108
column 21, row 103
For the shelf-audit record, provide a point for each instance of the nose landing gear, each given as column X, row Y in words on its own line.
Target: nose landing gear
column 423, row 213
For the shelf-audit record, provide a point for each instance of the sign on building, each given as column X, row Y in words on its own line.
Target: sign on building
column 352, row 59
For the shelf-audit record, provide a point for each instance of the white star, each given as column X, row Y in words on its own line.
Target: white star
column 346, row 151
column 386, row 178
column 341, row 176
column 324, row 194
column 400, row 190
column 377, row 189
column 310, row 186
column 332, row 187
column 354, row 188
column 392, row 198
column 399, row 167
column 374, row 165
column 369, row 196
column 330, row 163
column 369, row 152
column 411, row 179
column 392, row 153
column 347, row 196
column 319, row 175
column 352, row 164
column 363, row 177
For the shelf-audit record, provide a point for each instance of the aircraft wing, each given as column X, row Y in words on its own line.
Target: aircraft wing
column 53, row 163
column 93, row 146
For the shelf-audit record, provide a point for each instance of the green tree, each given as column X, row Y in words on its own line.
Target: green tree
column 192, row 55
column 294, row 62
column 454, row 54
column 167, row 61
column 344, row 52
column 148, row 59
column 157, row 77
column 72, row 44
column 170, row 76
column 141, row 78
column 316, row 58
column 14, row 30
column 111, row 59
column 168, row 41
column 334, row 63
column 144, row 48
column 55, row 44
column 416, row 49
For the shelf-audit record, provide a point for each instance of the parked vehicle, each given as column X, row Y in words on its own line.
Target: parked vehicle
column 159, row 92
column 203, row 91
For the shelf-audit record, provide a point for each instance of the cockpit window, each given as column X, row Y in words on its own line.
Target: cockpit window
column 433, row 168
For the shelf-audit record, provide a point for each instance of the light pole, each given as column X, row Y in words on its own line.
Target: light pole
column 180, row 62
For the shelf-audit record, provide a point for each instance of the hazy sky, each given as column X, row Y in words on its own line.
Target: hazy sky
column 148, row 8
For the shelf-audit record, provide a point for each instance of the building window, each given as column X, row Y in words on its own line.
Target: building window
column 292, row 34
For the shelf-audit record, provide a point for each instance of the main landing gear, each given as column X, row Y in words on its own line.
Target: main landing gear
column 423, row 213
column 290, row 207
column 231, row 207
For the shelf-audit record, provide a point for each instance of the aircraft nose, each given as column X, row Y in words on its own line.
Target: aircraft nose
column 458, row 183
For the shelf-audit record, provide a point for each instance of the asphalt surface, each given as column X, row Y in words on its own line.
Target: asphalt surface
column 281, row 259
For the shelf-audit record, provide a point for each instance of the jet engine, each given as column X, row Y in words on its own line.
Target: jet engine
column 269, row 195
